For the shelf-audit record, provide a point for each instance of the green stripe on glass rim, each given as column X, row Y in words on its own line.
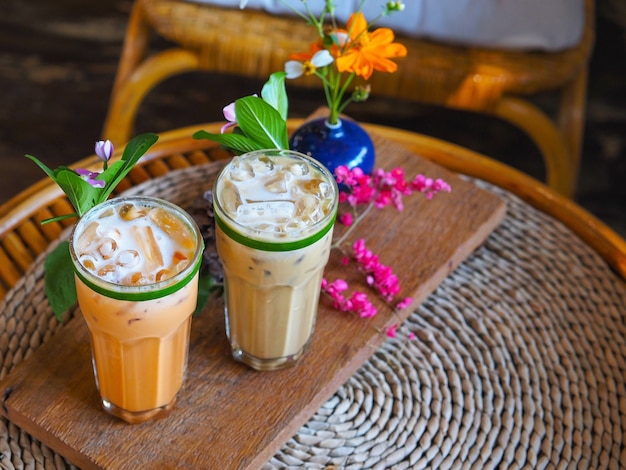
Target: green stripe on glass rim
column 144, row 295
column 278, row 246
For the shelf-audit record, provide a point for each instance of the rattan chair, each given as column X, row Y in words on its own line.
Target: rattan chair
column 255, row 44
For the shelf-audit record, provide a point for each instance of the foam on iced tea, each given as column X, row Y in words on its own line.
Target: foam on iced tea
column 135, row 245
column 275, row 196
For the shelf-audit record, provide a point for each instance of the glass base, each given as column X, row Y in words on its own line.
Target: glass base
column 265, row 364
column 134, row 417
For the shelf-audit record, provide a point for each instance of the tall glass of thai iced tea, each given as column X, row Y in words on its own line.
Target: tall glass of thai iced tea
column 274, row 212
column 136, row 264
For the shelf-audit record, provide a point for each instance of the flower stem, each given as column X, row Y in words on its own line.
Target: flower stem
column 352, row 227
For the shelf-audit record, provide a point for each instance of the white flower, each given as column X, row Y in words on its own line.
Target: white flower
column 295, row 68
column 341, row 39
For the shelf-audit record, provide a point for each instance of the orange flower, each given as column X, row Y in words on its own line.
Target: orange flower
column 334, row 41
column 369, row 51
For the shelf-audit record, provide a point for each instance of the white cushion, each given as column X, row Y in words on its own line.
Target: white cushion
column 520, row 24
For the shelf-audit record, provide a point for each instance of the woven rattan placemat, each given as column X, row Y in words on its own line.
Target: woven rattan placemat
column 518, row 361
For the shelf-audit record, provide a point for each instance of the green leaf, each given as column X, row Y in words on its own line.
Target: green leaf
column 137, row 147
column 61, row 169
column 134, row 150
column 80, row 193
column 41, row 165
column 58, row 218
column 59, row 280
column 70, row 186
column 261, row 122
column 275, row 94
column 206, row 285
column 236, row 142
column 109, row 175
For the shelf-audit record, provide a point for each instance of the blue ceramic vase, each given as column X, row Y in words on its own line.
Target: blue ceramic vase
column 333, row 145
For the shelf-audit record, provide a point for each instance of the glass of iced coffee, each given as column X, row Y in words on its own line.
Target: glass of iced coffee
column 274, row 212
column 136, row 263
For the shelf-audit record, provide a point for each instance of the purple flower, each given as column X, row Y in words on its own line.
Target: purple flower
column 104, row 150
column 230, row 116
column 90, row 177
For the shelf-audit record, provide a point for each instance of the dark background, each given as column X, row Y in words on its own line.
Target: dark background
column 58, row 60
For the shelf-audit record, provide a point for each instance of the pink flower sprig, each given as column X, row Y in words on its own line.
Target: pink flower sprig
column 379, row 190
column 378, row 276
column 357, row 302
column 391, row 331
column 384, row 188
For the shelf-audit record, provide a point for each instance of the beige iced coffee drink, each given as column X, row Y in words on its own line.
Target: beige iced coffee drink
column 274, row 213
column 136, row 262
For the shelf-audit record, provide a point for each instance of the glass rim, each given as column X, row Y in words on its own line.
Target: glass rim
column 142, row 292
column 312, row 232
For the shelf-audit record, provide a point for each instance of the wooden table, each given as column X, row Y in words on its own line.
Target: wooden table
column 518, row 356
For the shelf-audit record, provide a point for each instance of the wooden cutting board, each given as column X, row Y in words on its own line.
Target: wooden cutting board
column 227, row 415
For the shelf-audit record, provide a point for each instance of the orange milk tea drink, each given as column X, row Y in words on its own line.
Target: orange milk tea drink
column 136, row 264
column 274, row 212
